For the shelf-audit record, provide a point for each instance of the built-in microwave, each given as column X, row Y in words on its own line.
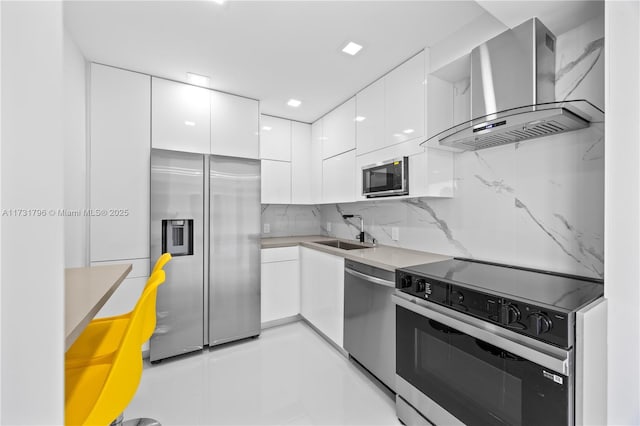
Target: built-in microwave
column 386, row 178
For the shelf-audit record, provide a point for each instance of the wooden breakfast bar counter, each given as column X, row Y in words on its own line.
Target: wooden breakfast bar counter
column 86, row 292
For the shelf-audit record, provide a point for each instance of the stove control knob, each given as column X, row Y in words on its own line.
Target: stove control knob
column 421, row 285
column 510, row 314
column 405, row 282
column 457, row 297
column 539, row 323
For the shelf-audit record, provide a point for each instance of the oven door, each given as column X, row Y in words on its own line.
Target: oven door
column 389, row 178
column 452, row 370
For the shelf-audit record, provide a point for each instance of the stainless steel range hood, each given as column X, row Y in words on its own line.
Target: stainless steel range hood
column 513, row 93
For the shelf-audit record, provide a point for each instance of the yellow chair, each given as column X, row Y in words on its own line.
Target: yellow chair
column 103, row 335
column 96, row 393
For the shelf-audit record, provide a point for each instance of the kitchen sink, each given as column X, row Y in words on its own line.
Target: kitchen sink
column 342, row 245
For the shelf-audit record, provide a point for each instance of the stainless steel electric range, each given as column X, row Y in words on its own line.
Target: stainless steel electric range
column 487, row 344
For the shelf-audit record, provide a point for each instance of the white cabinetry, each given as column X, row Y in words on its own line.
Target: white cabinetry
column 301, row 164
column 322, row 292
column 276, row 182
column 339, row 178
column 448, row 97
column 181, row 116
column 431, row 174
column 280, row 284
column 234, row 126
column 119, row 164
column 275, row 138
column 316, row 161
column 370, row 110
column 405, row 101
column 339, row 129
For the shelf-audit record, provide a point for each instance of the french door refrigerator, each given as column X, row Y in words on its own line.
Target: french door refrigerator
column 205, row 211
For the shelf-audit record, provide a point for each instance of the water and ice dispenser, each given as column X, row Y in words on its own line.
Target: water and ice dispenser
column 177, row 237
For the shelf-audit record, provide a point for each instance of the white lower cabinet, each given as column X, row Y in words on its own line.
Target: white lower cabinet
column 280, row 284
column 322, row 292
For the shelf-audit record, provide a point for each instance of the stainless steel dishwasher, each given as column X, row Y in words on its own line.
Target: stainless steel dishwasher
column 370, row 319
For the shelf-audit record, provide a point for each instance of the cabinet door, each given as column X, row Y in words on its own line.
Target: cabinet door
column 275, row 138
column 280, row 288
column 431, row 173
column 119, row 164
column 322, row 292
column 180, row 117
column 339, row 178
column 276, row 182
column 339, row 130
column 370, row 118
column 439, row 105
column 301, row 163
column 404, row 100
column 234, row 126
column 316, row 161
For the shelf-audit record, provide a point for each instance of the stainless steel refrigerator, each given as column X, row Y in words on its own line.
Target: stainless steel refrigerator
column 205, row 210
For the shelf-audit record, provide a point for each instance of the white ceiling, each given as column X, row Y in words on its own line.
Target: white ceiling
column 558, row 16
column 276, row 50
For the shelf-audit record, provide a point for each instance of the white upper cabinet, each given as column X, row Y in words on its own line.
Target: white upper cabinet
column 181, row 116
column 276, row 182
column 234, row 126
column 339, row 178
column 439, row 105
column 316, row 161
column 405, row 101
column 431, row 174
column 301, row 163
column 370, row 134
column 119, row 164
column 275, row 138
column 339, row 133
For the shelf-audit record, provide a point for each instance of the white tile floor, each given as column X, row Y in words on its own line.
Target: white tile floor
column 287, row 376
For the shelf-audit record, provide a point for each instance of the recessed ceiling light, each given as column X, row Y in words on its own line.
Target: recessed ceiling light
column 267, row 128
column 408, row 131
column 189, row 123
column 360, row 118
column 197, row 79
column 352, row 48
column 219, row 1
column 294, row 103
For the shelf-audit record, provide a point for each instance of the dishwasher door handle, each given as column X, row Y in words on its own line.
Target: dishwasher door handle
column 369, row 278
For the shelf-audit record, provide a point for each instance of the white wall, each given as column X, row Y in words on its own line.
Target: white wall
column 75, row 154
column 460, row 43
column 32, row 249
column 622, row 209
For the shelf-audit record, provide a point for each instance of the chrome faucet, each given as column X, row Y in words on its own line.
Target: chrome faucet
column 348, row 216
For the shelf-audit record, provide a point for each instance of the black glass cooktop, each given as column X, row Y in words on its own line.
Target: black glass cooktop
column 563, row 292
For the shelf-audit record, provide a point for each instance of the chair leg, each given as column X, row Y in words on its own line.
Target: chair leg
column 141, row 422
column 134, row 422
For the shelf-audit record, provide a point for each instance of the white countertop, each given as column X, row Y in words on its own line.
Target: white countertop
column 380, row 256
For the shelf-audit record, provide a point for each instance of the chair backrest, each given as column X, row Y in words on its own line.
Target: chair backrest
column 125, row 372
column 149, row 310
column 162, row 260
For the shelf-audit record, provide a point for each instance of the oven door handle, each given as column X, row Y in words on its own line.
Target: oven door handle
column 557, row 359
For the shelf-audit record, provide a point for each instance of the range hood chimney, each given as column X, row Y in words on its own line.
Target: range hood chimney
column 513, row 93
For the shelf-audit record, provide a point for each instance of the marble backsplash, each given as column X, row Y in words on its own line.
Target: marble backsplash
column 287, row 220
column 538, row 203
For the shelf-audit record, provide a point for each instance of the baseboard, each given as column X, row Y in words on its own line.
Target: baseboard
column 325, row 337
column 280, row 321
